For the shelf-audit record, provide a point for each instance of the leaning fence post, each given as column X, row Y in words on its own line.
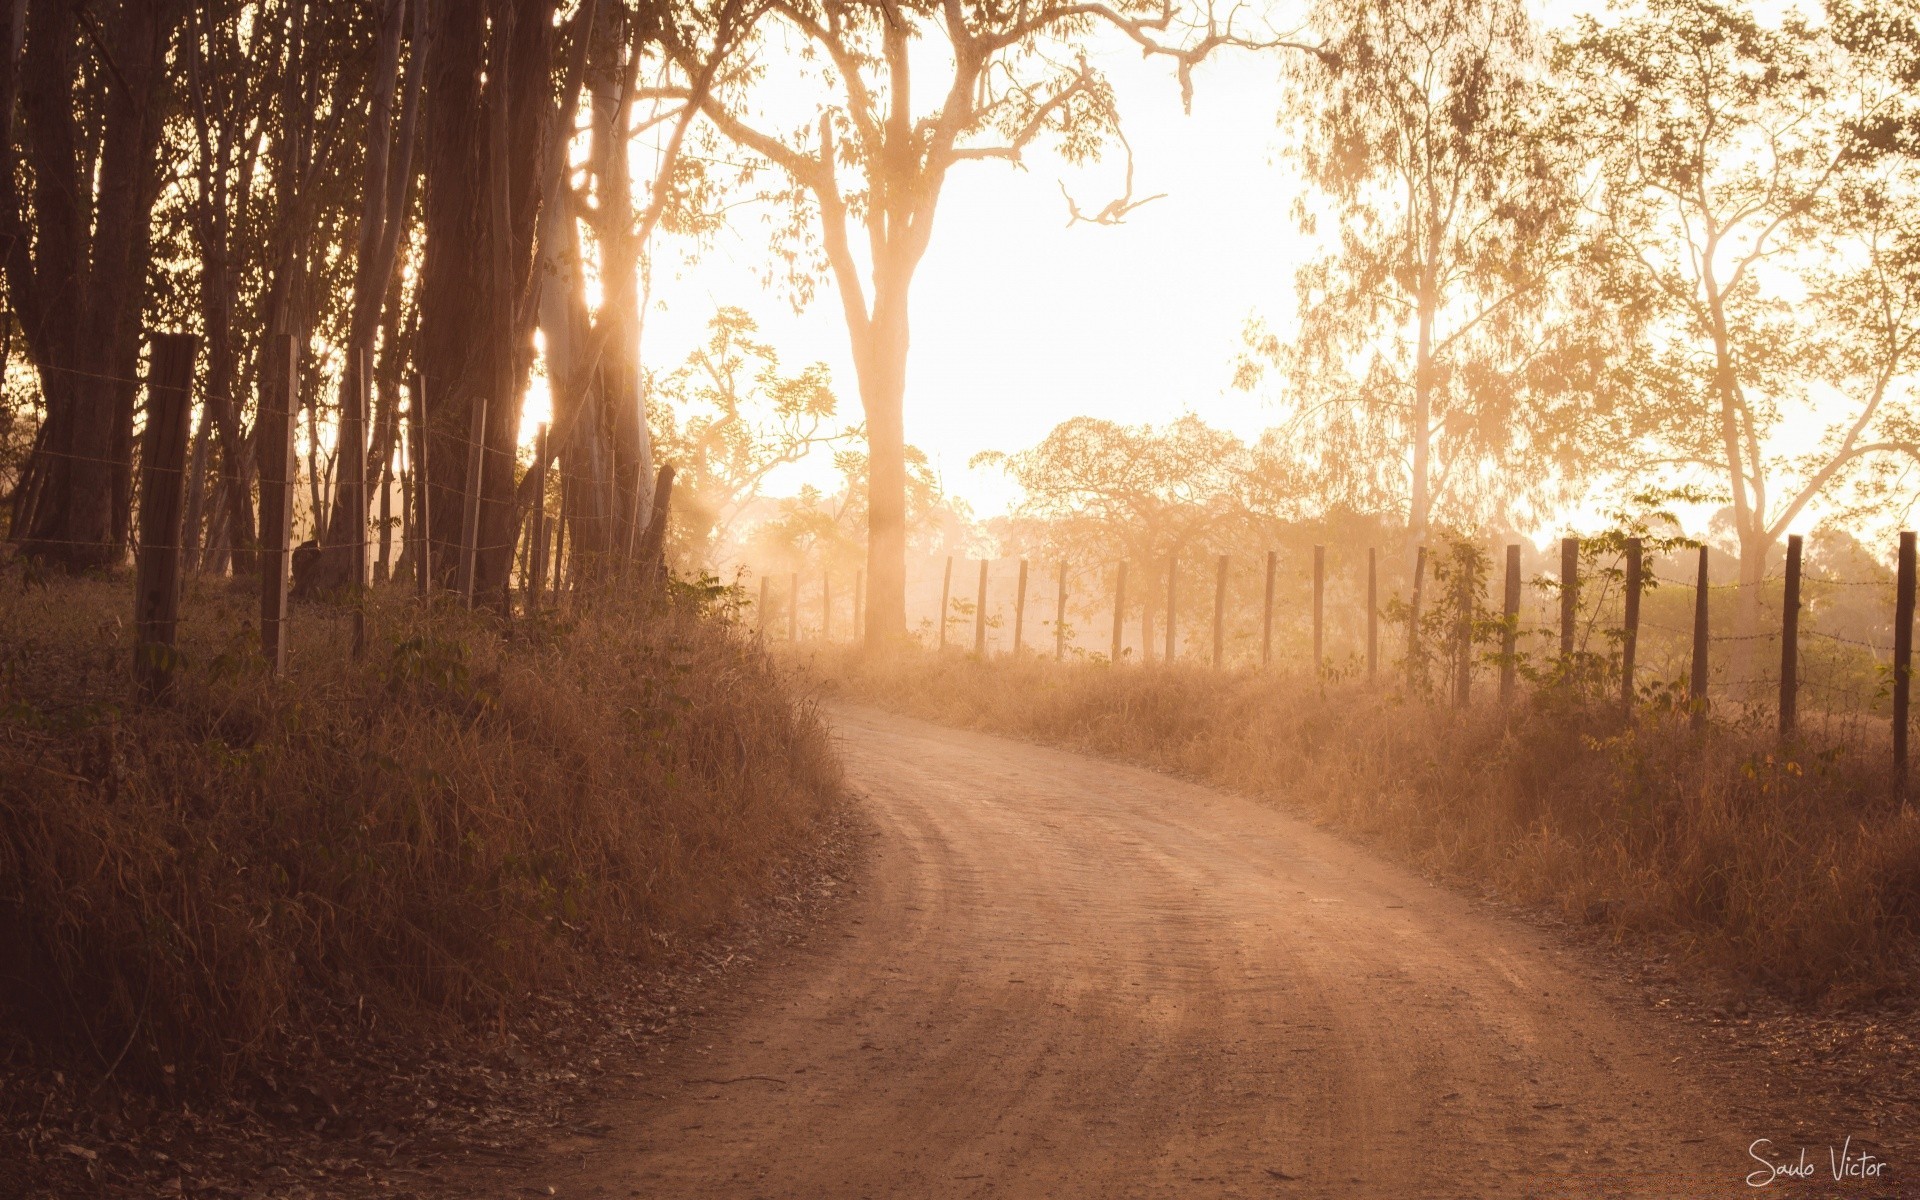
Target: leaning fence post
column 1020, row 609
column 1790, row 639
column 1266, row 614
column 1173, row 584
column 1220, row 615
column 384, row 568
column 946, row 588
column 1373, row 612
column 1413, row 613
column 273, row 440
column 980, row 614
column 560, row 537
column 1630, row 630
column 1697, row 683
column 1510, row 625
column 352, row 451
column 1119, row 608
column 1060, row 617
column 163, row 496
column 1319, row 609
column 1902, row 657
column 470, row 509
column 1569, row 599
column 417, row 446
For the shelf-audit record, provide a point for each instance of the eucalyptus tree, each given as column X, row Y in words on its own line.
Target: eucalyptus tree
column 1419, row 378
column 862, row 170
column 83, row 98
column 729, row 416
column 1754, row 221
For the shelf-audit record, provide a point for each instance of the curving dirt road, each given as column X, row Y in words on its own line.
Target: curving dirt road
column 1065, row 977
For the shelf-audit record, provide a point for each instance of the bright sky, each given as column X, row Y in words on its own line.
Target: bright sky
column 1020, row 322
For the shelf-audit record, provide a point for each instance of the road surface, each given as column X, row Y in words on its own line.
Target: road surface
column 1066, row 977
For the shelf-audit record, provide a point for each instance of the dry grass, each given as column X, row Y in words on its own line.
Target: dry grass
column 1794, row 868
column 419, row 838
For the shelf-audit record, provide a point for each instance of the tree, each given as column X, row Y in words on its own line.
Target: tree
column 1420, row 376
column 1097, row 489
column 1754, row 224
column 91, row 91
column 728, row 418
column 869, row 168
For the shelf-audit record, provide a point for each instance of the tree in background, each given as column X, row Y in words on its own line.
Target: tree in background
column 1114, row 491
column 816, row 528
column 866, row 168
column 728, row 418
column 1423, row 373
column 1759, row 245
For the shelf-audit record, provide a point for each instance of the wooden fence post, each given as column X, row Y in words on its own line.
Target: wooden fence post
column 1697, row 683
column 980, row 614
column 1902, row 657
column 1266, row 614
column 859, row 604
column 422, row 510
column 470, row 509
column 1220, row 615
column 826, row 605
column 1790, row 640
column 383, row 569
column 1173, row 587
column 1463, row 631
column 1060, row 617
column 561, row 538
column 537, row 578
column 1319, row 610
column 1020, row 609
column 1569, row 599
column 545, row 551
column 163, row 499
column 1630, row 631
column 760, row 613
column 1119, row 609
column 1413, row 612
column 273, row 444
column 793, row 607
column 1510, row 625
column 1373, row 612
column 351, row 451
column 946, row 588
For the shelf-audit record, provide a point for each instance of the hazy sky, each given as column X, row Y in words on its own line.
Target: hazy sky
column 1019, row 322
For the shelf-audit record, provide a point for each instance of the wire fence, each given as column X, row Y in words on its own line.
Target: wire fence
column 1840, row 664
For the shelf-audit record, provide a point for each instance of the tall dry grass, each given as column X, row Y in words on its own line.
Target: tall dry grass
column 421, row 836
column 1792, row 866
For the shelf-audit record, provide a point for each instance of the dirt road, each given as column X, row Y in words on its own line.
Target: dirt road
column 1065, row 977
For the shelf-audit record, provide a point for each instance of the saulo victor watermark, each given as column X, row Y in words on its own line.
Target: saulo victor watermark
column 1844, row 1165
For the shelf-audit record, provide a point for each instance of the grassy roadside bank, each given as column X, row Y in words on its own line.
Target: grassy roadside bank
column 418, row 840
column 1793, row 868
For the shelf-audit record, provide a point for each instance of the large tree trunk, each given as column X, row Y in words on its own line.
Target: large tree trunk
column 482, row 201
column 612, row 68
column 79, row 281
column 881, row 363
